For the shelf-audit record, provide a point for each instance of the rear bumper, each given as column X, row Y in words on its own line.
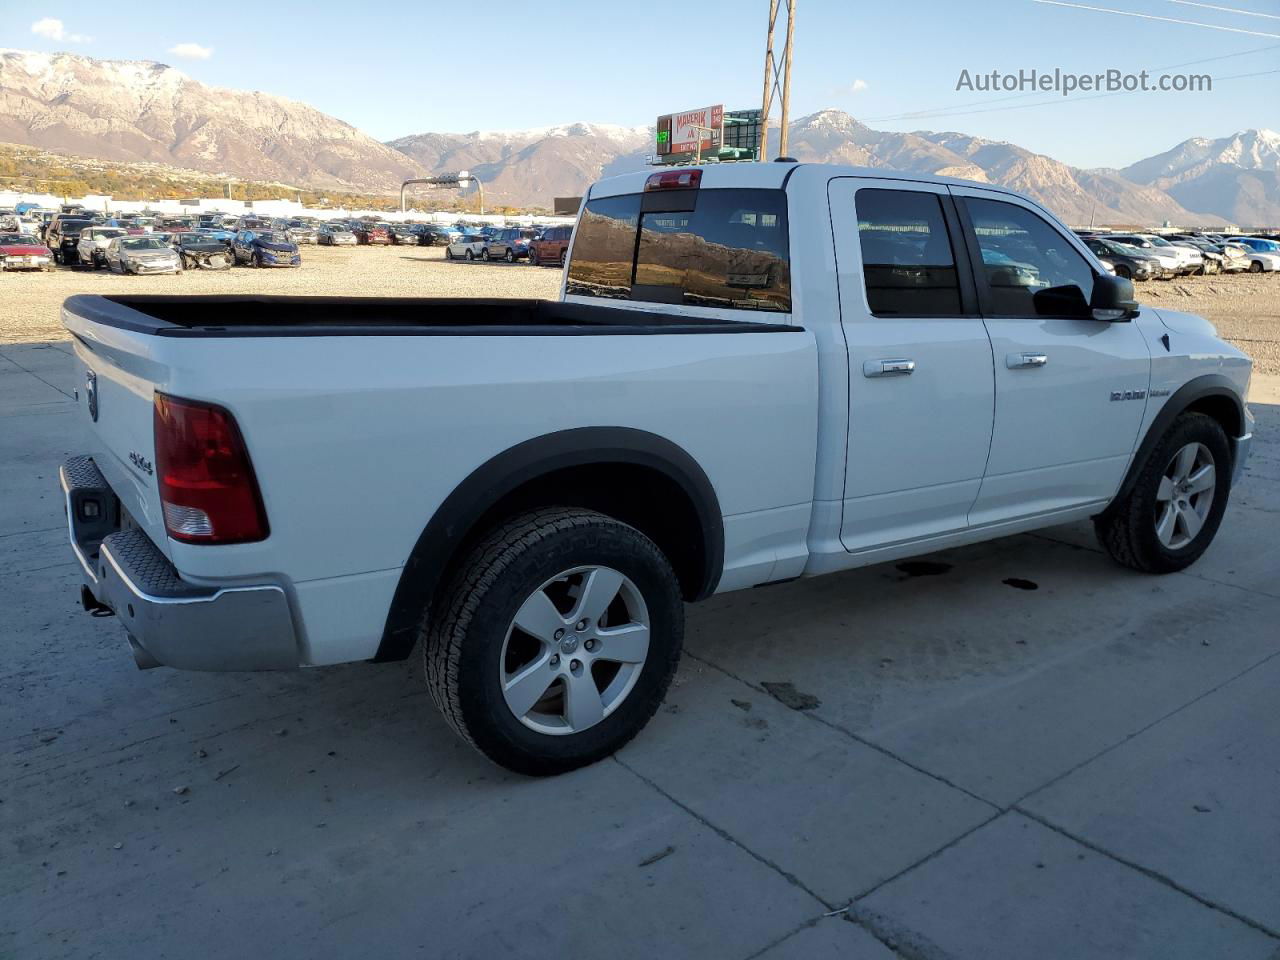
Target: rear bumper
column 170, row 622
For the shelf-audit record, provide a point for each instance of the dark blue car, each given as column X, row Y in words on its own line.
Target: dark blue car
column 265, row 248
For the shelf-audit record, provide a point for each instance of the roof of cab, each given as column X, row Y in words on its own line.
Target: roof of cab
column 774, row 175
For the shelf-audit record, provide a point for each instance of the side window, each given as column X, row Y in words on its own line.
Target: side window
column 1030, row 267
column 907, row 261
column 606, row 248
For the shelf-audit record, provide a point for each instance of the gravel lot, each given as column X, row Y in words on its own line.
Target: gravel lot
column 31, row 300
column 1245, row 307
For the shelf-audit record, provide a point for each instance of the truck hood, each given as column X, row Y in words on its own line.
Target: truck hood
column 1188, row 323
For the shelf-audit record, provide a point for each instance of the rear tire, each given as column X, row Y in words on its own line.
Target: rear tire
column 533, row 257
column 1255, row 267
column 470, row 255
column 510, row 256
column 484, row 254
column 1123, row 272
column 474, row 654
column 1130, row 528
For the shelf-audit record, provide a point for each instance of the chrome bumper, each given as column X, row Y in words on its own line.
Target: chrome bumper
column 170, row 622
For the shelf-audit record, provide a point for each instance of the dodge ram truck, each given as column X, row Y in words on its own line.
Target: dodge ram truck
column 755, row 372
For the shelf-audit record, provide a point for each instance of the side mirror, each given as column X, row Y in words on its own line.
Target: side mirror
column 1112, row 300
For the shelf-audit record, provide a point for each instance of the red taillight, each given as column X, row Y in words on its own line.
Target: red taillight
column 674, row 180
column 207, row 488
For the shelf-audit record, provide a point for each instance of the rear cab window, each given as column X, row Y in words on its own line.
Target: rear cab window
column 716, row 247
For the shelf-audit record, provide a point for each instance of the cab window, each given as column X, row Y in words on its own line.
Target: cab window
column 908, row 265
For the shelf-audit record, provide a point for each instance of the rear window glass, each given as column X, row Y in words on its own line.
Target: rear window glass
column 731, row 250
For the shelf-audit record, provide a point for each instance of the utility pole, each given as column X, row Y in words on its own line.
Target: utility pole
column 777, row 77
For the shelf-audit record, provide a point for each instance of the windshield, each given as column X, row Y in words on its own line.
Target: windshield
column 1159, row 242
column 14, row 238
column 143, row 243
column 267, row 236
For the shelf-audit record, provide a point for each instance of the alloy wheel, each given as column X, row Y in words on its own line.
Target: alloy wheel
column 574, row 650
column 1185, row 495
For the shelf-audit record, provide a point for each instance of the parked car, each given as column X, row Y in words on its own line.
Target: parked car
column 265, row 248
column 509, row 244
column 1170, row 263
column 473, row 246
column 63, row 237
column 1128, row 262
column 536, row 528
column 91, row 248
column 1264, row 255
column 369, row 234
column 551, row 246
column 139, row 255
column 18, row 251
column 202, row 250
column 331, row 235
column 301, row 232
column 434, row 235
column 1190, row 260
column 403, row 234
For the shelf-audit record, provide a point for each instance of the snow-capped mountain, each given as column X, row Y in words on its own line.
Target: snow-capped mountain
column 1237, row 176
column 144, row 111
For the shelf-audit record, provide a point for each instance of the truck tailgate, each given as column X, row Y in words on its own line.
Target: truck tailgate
column 117, row 383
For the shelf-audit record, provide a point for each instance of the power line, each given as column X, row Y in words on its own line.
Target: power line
column 1149, row 16
column 1212, row 6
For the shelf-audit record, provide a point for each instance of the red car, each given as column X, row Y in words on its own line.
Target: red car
column 551, row 247
column 20, row 252
column 371, row 233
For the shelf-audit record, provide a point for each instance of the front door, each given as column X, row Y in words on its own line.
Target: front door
column 1070, row 390
column 921, row 390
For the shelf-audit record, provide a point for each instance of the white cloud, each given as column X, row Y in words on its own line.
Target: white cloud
column 191, row 51
column 856, row 87
column 52, row 28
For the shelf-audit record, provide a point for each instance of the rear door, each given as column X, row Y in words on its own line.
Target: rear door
column 1070, row 390
column 921, row 390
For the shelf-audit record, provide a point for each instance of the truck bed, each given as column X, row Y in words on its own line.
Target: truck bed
column 262, row 316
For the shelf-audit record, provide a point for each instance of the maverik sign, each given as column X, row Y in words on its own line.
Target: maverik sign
column 680, row 133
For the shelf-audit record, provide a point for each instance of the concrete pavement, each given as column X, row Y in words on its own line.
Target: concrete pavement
column 1018, row 750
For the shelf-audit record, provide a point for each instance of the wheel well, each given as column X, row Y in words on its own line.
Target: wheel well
column 1221, row 408
column 634, row 476
column 638, row 495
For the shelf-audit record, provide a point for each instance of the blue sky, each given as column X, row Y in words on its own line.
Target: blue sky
column 393, row 68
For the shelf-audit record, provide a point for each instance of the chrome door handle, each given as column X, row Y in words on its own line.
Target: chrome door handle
column 897, row 367
column 1015, row 361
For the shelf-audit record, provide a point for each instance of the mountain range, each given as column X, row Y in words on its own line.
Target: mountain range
column 144, row 111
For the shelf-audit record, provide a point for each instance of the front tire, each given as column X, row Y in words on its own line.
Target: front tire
column 556, row 640
column 1174, row 510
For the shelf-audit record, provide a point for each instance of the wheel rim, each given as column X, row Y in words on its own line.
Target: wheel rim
column 1185, row 495
column 574, row 650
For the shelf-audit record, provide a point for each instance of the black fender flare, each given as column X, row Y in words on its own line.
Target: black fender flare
column 1208, row 385
column 505, row 473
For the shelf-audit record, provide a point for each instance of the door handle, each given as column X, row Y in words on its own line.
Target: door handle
column 896, row 367
column 1016, row 361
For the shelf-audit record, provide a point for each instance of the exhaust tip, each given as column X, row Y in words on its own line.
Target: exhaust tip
column 144, row 660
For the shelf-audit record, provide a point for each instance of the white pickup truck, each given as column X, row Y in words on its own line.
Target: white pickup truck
column 756, row 372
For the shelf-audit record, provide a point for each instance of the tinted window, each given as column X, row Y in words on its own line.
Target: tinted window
column 604, row 254
column 907, row 262
column 1030, row 267
column 731, row 250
